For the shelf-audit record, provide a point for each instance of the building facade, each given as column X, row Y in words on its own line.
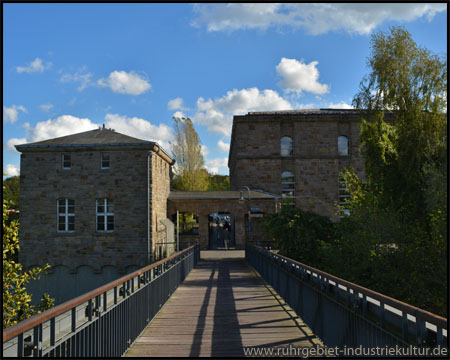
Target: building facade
column 297, row 154
column 95, row 199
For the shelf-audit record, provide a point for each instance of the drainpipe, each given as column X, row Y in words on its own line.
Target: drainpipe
column 149, row 156
column 178, row 231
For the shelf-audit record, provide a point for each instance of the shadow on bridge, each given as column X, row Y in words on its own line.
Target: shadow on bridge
column 221, row 308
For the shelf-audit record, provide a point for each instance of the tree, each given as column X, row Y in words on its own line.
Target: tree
column 218, row 182
column 190, row 173
column 395, row 238
column 411, row 83
column 300, row 235
column 11, row 191
column 16, row 300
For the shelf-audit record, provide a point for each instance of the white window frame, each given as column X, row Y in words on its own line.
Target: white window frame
column 341, row 139
column 103, row 214
column 289, row 150
column 343, row 195
column 283, row 182
column 63, row 161
column 66, row 214
column 102, row 160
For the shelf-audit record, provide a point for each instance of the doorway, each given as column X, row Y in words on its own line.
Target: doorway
column 221, row 231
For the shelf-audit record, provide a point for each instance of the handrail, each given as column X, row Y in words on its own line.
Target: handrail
column 410, row 309
column 37, row 319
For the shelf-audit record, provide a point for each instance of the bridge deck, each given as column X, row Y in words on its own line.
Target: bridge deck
column 221, row 307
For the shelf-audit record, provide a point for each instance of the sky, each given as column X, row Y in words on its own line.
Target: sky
column 69, row 68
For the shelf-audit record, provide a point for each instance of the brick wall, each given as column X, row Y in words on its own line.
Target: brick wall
column 43, row 181
column 160, row 188
column 255, row 159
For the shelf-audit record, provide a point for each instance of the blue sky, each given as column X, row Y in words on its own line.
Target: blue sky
column 69, row 68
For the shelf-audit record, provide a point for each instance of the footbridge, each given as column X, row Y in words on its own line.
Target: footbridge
column 228, row 303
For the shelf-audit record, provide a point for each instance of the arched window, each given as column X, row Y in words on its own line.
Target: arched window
column 343, row 146
column 287, row 185
column 66, row 215
column 287, row 146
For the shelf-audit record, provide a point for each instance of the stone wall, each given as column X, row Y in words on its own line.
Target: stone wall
column 43, row 181
column 255, row 159
column 160, row 188
column 205, row 207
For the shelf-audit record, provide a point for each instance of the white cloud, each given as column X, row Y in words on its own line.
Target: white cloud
column 46, row 107
column 11, row 114
column 176, row 104
column 217, row 114
column 81, row 76
column 305, row 106
column 298, row 76
column 125, row 83
column 179, row 114
column 140, row 128
column 14, row 141
column 204, row 150
column 11, row 170
column 215, row 165
column 35, row 66
column 316, row 18
column 341, row 105
column 223, row 146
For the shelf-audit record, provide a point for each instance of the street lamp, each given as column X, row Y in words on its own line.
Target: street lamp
column 241, row 197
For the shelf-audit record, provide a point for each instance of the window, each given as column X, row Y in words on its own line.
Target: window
column 105, row 160
column 287, row 185
column 343, row 196
column 105, row 215
column 287, row 146
column 66, row 161
column 66, row 215
column 343, row 146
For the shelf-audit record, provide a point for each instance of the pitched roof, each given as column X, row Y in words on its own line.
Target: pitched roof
column 92, row 137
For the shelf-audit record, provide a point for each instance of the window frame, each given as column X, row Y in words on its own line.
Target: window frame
column 102, row 160
column 66, row 214
column 289, row 150
column 292, row 183
column 63, row 161
column 347, row 145
column 105, row 214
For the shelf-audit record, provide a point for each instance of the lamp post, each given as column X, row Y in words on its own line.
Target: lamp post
column 241, row 200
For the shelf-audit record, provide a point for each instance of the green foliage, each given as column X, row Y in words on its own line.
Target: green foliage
column 301, row 235
column 218, row 182
column 16, row 301
column 11, row 188
column 189, row 171
column 395, row 239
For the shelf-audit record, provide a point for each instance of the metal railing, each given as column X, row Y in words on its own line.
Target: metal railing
column 341, row 313
column 105, row 321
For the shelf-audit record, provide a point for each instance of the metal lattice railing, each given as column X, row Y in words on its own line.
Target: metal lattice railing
column 345, row 314
column 105, row 321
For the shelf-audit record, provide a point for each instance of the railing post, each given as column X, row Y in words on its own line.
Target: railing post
column 405, row 326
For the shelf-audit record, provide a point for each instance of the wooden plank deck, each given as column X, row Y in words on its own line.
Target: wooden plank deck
column 221, row 307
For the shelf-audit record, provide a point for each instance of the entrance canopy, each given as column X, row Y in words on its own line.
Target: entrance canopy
column 232, row 202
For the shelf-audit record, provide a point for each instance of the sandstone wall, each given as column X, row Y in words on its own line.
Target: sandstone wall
column 43, row 181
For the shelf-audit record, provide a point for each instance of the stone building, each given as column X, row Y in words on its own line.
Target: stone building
column 96, row 198
column 297, row 154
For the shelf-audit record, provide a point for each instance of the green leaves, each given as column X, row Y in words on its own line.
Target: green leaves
column 16, row 301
